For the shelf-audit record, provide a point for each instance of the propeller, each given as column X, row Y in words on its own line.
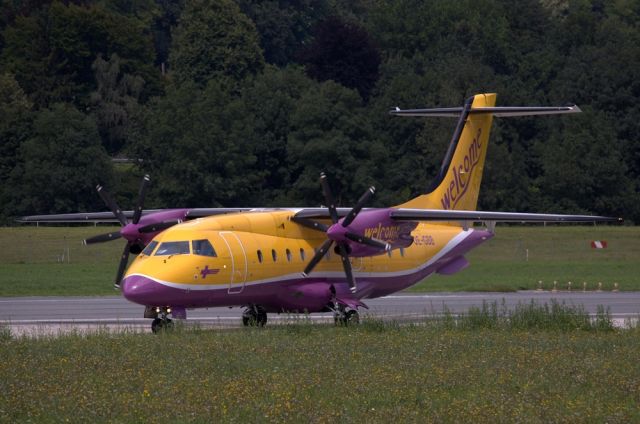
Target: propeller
column 134, row 244
column 341, row 228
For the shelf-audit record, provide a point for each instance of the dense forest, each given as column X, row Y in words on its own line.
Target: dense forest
column 243, row 103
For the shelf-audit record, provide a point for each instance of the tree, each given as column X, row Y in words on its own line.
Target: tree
column 190, row 149
column 114, row 102
column 583, row 170
column 214, row 39
column 284, row 27
column 52, row 50
column 15, row 127
column 265, row 111
column 329, row 133
column 344, row 53
column 59, row 165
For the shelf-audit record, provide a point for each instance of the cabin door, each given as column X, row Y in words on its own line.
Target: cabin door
column 238, row 261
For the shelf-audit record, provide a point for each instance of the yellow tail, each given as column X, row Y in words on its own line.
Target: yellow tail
column 458, row 183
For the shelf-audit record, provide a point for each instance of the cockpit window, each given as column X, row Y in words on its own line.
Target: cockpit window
column 173, row 248
column 203, row 248
column 149, row 249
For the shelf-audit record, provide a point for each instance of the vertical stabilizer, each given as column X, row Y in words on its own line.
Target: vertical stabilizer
column 457, row 184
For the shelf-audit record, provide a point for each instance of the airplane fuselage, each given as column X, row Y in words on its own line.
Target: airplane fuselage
column 258, row 258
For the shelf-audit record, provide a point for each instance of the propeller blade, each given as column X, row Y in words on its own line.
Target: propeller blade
column 317, row 257
column 141, row 194
column 364, row 199
column 102, row 238
column 368, row 241
column 346, row 264
column 318, row 226
column 328, row 198
column 158, row 226
column 124, row 261
column 117, row 212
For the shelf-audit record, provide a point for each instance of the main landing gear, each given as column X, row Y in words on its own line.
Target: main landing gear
column 161, row 321
column 254, row 316
column 345, row 317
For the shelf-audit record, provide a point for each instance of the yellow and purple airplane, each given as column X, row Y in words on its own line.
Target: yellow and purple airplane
column 326, row 259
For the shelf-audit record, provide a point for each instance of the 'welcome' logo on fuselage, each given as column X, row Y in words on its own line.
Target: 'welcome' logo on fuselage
column 459, row 183
column 386, row 233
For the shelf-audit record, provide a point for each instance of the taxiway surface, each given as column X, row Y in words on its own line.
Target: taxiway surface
column 51, row 314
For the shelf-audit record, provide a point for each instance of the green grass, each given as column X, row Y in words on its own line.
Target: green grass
column 517, row 258
column 481, row 371
column 32, row 262
column 47, row 261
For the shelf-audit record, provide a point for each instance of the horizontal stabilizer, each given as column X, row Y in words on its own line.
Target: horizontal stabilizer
column 503, row 111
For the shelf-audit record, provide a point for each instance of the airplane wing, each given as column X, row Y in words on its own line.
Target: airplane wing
column 403, row 214
column 99, row 217
column 435, row 215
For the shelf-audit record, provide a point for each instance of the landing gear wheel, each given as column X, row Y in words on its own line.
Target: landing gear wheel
column 254, row 316
column 160, row 324
column 352, row 317
column 345, row 318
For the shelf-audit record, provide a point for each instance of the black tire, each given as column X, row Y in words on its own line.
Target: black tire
column 262, row 319
column 159, row 324
column 251, row 318
column 352, row 317
column 247, row 320
column 156, row 325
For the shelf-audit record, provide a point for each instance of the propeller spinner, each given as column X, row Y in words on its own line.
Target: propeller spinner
column 339, row 232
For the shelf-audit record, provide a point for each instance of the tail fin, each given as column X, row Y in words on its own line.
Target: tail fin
column 457, row 184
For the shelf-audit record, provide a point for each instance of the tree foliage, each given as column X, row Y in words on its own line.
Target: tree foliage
column 115, row 101
column 59, row 165
column 52, row 49
column 214, row 39
column 345, row 53
column 183, row 86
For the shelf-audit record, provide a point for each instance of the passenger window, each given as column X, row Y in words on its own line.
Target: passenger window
column 173, row 248
column 288, row 252
column 203, row 248
column 274, row 255
column 302, row 254
column 259, row 256
column 149, row 249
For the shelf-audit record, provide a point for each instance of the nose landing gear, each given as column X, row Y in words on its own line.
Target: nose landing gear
column 161, row 321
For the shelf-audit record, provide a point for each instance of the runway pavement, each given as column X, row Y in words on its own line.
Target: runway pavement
column 50, row 315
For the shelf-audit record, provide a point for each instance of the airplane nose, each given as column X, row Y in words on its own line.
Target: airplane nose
column 139, row 289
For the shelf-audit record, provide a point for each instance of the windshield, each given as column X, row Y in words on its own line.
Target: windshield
column 203, row 248
column 173, row 248
column 149, row 249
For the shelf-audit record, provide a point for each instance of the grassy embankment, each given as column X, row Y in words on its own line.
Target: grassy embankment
column 540, row 366
column 517, row 258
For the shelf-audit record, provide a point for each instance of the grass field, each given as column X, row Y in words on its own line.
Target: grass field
column 52, row 261
column 475, row 370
